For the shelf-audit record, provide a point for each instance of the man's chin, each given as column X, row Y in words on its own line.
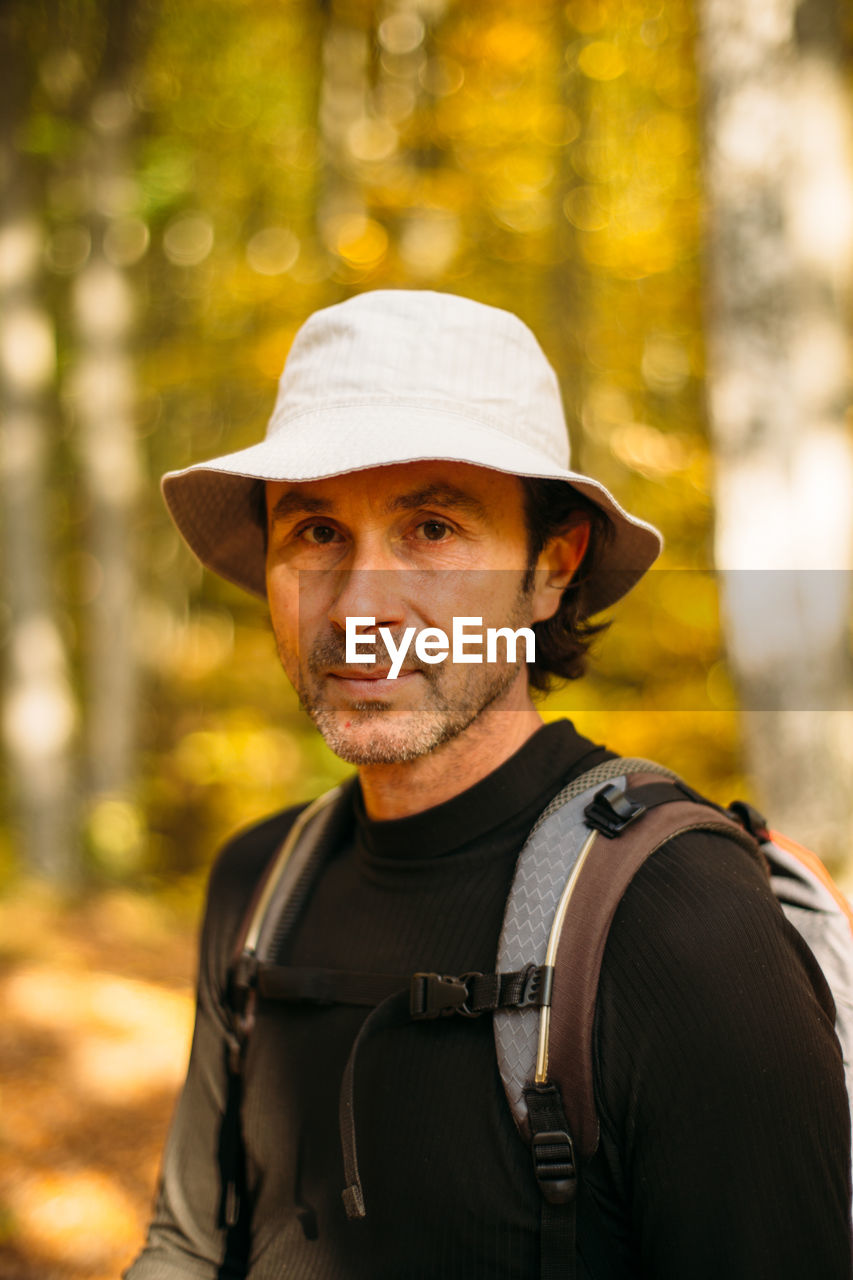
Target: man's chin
column 374, row 733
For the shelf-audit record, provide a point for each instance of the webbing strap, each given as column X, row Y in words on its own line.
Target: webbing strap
column 328, row 986
column 431, row 995
column 557, row 1175
column 230, row 1150
column 557, row 1236
column 233, row 1213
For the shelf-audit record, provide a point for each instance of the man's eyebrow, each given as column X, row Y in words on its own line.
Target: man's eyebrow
column 292, row 503
column 295, row 503
column 440, row 495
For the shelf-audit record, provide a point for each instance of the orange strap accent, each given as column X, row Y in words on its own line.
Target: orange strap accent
column 814, row 864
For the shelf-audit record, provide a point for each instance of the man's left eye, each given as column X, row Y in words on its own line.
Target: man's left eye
column 433, row 530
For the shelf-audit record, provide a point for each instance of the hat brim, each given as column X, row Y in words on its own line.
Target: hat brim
column 216, row 508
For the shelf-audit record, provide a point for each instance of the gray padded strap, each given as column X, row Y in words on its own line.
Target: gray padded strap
column 594, row 778
column 544, row 865
column 277, row 891
column 295, row 859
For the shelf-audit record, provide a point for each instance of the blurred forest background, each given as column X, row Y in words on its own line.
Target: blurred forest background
column 662, row 189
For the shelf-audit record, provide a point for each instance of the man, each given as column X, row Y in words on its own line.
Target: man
column 415, row 473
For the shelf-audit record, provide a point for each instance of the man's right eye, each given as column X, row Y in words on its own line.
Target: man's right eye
column 319, row 534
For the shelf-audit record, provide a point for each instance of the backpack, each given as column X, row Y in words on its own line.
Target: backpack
column 570, row 876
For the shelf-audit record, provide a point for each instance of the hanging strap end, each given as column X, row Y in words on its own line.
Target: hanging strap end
column 353, row 1202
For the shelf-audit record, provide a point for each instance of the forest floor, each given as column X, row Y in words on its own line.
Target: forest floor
column 97, row 1008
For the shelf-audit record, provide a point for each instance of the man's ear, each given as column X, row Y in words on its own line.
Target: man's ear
column 556, row 566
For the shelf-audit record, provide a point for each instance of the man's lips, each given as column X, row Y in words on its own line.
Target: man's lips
column 374, row 683
column 355, row 674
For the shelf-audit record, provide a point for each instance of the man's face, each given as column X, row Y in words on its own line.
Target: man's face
column 411, row 545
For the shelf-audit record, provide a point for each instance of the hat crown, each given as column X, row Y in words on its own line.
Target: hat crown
column 425, row 349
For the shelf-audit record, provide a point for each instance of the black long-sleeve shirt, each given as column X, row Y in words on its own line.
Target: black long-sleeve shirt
column 724, row 1120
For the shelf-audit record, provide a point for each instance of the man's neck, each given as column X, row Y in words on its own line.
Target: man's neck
column 400, row 790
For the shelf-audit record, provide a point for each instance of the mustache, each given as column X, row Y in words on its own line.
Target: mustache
column 329, row 650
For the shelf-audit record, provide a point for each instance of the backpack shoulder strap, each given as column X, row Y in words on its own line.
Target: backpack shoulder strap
column 570, row 878
column 278, row 898
column 579, row 949
column 272, row 910
column 287, row 866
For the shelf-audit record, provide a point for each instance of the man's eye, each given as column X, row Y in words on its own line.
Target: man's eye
column 433, row 530
column 319, row 534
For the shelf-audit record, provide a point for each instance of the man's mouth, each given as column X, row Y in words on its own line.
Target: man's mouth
column 381, row 675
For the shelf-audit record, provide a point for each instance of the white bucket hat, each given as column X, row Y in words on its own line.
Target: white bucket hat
column 398, row 376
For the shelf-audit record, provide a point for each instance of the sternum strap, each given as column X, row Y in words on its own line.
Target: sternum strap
column 327, row 986
column 430, row 994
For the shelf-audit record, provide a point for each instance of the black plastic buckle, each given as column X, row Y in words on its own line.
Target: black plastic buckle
column 436, row 995
column 242, row 983
column 750, row 819
column 611, row 811
column 538, row 984
column 554, row 1166
column 243, row 978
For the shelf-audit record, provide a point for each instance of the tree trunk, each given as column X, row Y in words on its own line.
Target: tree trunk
column 778, row 164
column 103, row 395
column 39, row 714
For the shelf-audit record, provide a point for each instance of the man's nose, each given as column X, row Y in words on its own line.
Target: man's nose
column 370, row 589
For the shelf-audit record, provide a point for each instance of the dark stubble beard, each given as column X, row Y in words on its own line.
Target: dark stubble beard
column 404, row 735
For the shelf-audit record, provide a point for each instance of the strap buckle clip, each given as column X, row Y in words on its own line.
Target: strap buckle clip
column 242, row 982
column 538, row 985
column 554, row 1166
column 611, row 811
column 750, row 819
column 436, row 995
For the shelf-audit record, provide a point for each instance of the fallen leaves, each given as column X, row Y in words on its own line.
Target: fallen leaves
column 97, row 1004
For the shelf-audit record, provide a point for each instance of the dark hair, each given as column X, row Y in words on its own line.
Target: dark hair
column 258, row 504
column 562, row 641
